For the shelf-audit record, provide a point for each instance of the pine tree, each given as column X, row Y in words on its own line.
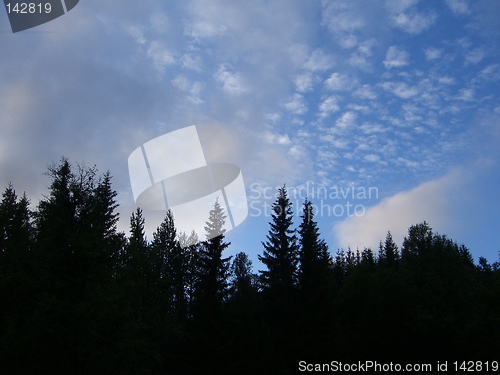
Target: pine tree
column 280, row 250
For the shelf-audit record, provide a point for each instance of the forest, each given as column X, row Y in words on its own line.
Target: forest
column 79, row 297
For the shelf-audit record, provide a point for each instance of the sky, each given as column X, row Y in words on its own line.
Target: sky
column 384, row 114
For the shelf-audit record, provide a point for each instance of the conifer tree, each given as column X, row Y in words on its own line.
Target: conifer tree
column 213, row 268
column 314, row 259
column 173, row 262
column 280, row 254
column 368, row 259
column 192, row 247
column 16, row 231
column 16, row 273
column 388, row 255
column 243, row 280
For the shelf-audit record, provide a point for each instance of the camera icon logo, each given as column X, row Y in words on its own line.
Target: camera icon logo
column 170, row 172
column 27, row 14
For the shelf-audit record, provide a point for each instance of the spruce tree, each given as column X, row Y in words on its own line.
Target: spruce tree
column 314, row 258
column 388, row 255
column 173, row 261
column 280, row 254
column 16, row 232
column 243, row 280
column 211, row 295
column 213, row 268
column 192, row 246
column 17, row 283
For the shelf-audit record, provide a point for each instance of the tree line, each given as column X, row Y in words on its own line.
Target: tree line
column 78, row 296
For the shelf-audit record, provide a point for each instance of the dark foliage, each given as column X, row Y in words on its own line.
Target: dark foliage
column 79, row 297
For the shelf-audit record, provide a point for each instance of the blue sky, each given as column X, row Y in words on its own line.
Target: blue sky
column 398, row 96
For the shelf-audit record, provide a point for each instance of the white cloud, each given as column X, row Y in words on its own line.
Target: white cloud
column 160, row 56
column 273, row 117
column 400, row 89
column 181, row 82
column 279, row 139
column 136, row 33
column 491, row 72
column 232, row 83
column 205, row 29
column 475, row 56
column 458, row 6
column 366, row 47
column 467, row 95
column 396, row 58
column 338, row 82
column 297, row 105
column 372, row 128
column 342, row 16
column 359, row 60
column 304, row 82
column 191, row 62
column 427, row 201
column 297, row 152
column 328, row 106
column 432, row 53
column 348, row 41
column 365, row 92
column 446, row 80
column 415, row 23
column 372, row 158
column 346, row 120
column 398, row 6
column 192, row 88
column 160, row 22
column 319, row 60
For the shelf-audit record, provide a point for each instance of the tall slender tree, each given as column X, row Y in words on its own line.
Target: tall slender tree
column 17, row 283
column 314, row 259
column 192, row 246
column 280, row 254
column 213, row 267
column 173, row 264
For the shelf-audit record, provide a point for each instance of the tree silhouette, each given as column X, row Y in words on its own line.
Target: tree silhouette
column 314, row 269
column 173, row 264
column 280, row 254
column 213, row 269
column 388, row 255
column 77, row 296
column 315, row 283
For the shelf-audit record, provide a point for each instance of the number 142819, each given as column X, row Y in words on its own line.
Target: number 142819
column 28, row 8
